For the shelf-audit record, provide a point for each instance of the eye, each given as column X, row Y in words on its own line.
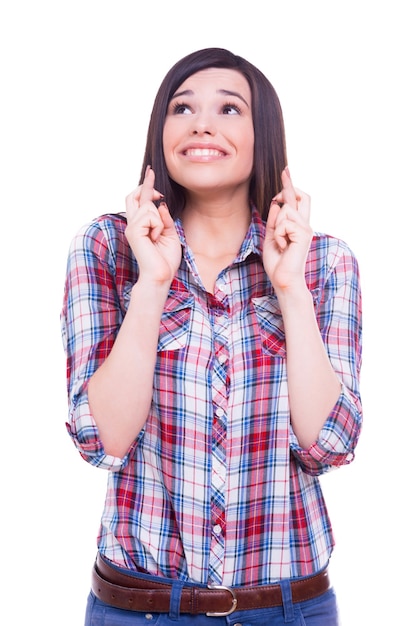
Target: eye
column 179, row 108
column 231, row 109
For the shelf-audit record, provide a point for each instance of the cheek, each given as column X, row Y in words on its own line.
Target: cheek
column 247, row 146
column 171, row 163
column 165, row 139
column 250, row 155
column 169, row 142
column 167, row 155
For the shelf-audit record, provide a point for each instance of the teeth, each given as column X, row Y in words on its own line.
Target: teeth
column 203, row 152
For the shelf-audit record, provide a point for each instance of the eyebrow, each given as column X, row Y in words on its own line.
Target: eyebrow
column 224, row 92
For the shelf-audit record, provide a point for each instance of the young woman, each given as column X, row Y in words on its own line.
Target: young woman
column 214, row 351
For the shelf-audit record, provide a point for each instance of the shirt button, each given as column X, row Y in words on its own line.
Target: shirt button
column 217, row 529
column 219, row 412
column 222, row 359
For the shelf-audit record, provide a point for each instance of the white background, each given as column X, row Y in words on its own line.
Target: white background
column 78, row 81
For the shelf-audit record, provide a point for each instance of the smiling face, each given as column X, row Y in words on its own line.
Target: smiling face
column 208, row 136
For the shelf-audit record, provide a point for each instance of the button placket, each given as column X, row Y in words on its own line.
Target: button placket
column 220, row 390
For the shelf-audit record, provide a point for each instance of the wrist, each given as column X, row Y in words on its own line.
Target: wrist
column 293, row 295
column 151, row 291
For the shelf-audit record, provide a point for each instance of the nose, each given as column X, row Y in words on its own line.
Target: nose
column 203, row 124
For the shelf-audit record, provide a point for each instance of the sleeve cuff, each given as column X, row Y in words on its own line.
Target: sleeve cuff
column 337, row 440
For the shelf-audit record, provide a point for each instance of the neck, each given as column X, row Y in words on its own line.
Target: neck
column 216, row 229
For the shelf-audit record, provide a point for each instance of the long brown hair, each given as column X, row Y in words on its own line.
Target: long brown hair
column 269, row 135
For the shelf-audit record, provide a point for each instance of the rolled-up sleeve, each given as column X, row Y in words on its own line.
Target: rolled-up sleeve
column 90, row 318
column 339, row 314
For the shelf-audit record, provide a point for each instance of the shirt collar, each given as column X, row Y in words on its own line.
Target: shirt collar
column 252, row 244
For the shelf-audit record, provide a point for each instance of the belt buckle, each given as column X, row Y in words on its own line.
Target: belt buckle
column 234, row 601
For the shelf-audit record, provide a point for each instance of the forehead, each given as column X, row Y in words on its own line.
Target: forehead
column 216, row 79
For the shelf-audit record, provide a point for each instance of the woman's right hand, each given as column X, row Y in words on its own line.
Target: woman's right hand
column 151, row 233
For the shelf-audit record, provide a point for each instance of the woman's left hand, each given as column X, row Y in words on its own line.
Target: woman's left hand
column 288, row 236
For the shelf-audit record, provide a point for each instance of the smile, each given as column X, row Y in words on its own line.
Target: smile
column 204, row 152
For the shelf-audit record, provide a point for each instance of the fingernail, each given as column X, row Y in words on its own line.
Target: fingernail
column 286, row 169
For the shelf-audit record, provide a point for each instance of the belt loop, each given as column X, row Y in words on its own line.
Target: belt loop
column 175, row 599
column 288, row 611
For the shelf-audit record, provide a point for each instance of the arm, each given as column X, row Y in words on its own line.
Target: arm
column 111, row 356
column 314, row 387
column 100, row 272
column 120, row 391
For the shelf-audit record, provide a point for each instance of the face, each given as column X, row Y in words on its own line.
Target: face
column 208, row 136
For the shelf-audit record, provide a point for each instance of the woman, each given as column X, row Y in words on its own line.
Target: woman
column 214, row 350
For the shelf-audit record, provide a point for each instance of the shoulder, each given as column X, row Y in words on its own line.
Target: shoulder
column 102, row 229
column 329, row 258
column 103, row 238
column 329, row 250
column 108, row 226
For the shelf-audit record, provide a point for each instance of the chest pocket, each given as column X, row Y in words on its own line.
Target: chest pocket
column 175, row 321
column 270, row 324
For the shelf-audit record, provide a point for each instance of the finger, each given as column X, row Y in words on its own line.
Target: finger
column 165, row 222
column 132, row 200
column 165, row 216
column 134, row 197
column 138, row 197
column 276, row 226
column 280, row 212
column 147, row 188
column 273, row 213
column 288, row 192
column 303, row 204
column 280, row 235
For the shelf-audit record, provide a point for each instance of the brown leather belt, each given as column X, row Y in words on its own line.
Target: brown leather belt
column 126, row 591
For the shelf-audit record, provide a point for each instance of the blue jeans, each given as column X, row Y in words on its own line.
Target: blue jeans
column 321, row 611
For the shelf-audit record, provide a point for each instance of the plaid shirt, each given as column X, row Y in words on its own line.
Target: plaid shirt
column 216, row 487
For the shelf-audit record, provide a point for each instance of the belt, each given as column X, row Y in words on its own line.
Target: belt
column 125, row 591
